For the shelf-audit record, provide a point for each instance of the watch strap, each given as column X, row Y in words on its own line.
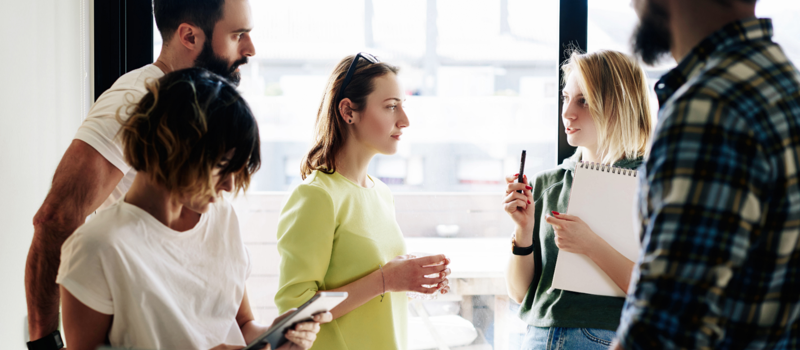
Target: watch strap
column 51, row 341
column 519, row 250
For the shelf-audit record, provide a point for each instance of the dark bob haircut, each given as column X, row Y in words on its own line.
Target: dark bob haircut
column 183, row 127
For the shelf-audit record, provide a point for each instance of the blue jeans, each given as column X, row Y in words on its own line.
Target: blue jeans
column 557, row 338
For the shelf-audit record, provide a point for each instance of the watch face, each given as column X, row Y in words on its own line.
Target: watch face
column 59, row 343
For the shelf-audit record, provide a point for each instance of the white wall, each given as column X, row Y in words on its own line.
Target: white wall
column 42, row 101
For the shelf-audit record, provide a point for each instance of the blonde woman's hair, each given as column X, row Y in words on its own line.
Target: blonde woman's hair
column 616, row 90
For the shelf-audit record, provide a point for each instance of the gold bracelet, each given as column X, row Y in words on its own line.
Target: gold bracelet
column 384, row 281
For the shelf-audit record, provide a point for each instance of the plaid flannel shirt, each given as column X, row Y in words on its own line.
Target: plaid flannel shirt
column 720, row 203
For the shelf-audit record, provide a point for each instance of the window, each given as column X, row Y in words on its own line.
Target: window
column 785, row 16
column 482, row 84
column 611, row 23
column 481, row 79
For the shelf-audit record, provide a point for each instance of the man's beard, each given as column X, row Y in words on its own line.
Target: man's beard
column 651, row 40
column 208, row 59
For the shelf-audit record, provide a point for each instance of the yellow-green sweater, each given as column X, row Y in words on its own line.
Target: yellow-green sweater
column 333, row 232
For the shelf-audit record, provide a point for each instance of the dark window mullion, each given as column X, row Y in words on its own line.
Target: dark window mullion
column 123, row 39
column 573, row 26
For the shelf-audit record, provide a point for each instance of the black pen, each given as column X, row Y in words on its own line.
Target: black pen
column 521, row 169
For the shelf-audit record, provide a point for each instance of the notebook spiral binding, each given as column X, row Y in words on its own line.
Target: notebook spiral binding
column 608, row 168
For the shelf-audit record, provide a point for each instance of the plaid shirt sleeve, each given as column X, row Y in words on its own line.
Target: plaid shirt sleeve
column 699, row 202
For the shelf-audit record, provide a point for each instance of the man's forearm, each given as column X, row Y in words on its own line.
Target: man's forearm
column 41, row 270
column 83, row 180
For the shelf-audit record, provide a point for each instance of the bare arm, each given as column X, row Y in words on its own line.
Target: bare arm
column 574, row 236
column 246, row 321
column 84, row 328
column 519, row 274
column 614, row 264
column 519, row 206
column 83, row 180
column 401, row 274
column 359, row 293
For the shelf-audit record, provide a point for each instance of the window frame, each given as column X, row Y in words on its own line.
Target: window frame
column 123, row 41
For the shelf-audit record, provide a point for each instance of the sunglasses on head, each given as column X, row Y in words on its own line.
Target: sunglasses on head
column 352, row 70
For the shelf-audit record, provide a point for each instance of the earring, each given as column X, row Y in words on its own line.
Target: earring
column 350, row 121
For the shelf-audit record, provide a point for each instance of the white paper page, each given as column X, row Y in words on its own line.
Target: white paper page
column 605, row 202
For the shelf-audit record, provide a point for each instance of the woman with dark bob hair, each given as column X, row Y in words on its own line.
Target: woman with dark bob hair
column 165, row 267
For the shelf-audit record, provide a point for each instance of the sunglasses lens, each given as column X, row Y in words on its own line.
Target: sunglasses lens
column 369, row 57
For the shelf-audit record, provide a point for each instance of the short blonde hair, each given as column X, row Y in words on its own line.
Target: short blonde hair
column 615, row 87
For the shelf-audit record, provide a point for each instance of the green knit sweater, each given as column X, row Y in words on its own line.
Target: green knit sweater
column 560, row 308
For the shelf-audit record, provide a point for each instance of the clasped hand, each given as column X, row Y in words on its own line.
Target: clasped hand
column 406, row 273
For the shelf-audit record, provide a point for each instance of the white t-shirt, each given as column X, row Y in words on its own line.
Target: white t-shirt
column 100, row 127
column 166, row 289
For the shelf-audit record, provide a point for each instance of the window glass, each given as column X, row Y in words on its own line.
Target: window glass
column 785, row 15
column 481, row 84
column 611, row 24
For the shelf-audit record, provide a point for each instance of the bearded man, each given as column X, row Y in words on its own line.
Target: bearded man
column 719, row 196
column 93, row 174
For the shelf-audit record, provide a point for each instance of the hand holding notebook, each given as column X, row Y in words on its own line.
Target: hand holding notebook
column 573, row 234
column 603, row 197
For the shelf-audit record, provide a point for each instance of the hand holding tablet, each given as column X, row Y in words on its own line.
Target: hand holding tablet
column 283, row 330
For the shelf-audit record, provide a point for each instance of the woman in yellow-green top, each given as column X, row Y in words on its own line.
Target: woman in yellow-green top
column 338, row 232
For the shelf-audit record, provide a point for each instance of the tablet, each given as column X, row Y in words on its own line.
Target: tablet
column 322, row 302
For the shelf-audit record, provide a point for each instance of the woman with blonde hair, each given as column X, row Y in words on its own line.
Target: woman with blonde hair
column 337, row 231
column 606, row 115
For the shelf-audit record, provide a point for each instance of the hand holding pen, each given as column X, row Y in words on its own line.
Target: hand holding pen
column 518, row 205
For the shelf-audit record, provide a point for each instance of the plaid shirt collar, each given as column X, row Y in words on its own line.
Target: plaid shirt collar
column 734, row 33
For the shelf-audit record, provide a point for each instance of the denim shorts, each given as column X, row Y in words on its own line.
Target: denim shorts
column 557, row 338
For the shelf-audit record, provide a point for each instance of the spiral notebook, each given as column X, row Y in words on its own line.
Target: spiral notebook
column 604, row 198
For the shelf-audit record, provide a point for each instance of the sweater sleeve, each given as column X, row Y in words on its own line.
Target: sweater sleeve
column 305, row 241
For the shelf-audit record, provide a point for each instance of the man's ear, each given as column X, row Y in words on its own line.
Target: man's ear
column 346, row 111
column 190, row 37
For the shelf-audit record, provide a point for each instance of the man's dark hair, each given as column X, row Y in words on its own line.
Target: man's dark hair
column 170, row 14
column 730, row 2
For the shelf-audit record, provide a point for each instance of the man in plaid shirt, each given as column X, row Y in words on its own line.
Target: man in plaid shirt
column 719, row 196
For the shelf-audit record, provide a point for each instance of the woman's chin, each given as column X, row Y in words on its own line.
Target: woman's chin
column 388, row 151
column 574, row 141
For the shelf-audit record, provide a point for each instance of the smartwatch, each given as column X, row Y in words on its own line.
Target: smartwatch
column 51, row 341
column 519, row 250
